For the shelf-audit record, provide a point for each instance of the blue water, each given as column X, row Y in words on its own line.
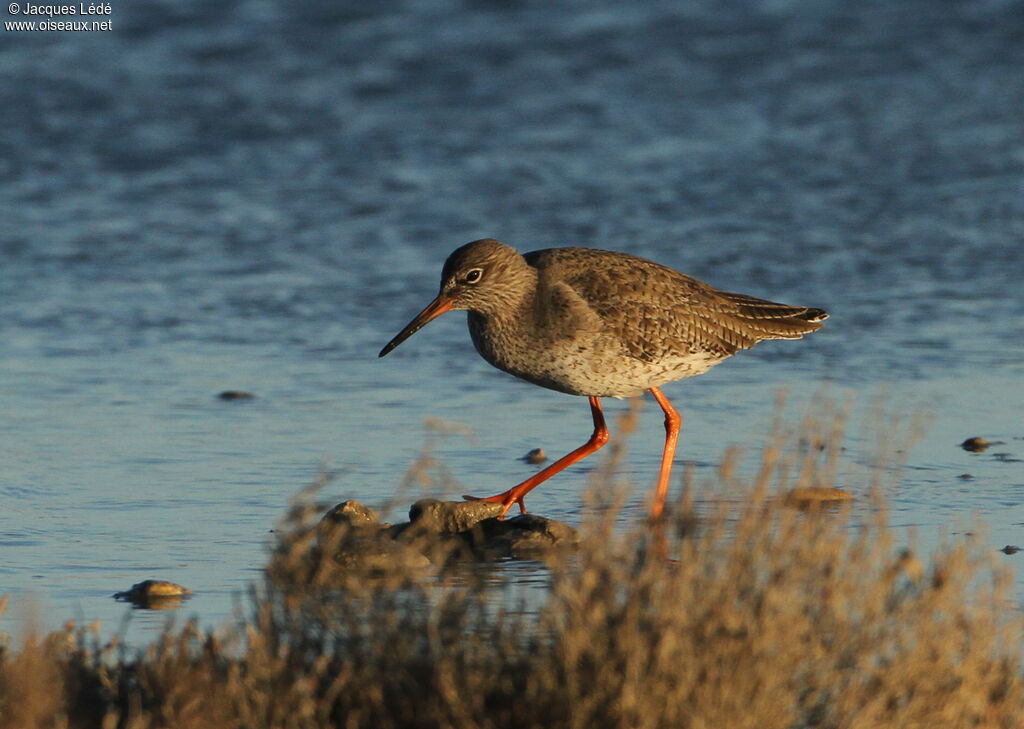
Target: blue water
column 257, row 195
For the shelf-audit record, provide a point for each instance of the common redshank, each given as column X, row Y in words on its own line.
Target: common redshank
column 600, row 324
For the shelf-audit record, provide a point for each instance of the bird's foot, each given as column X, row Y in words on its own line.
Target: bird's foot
column 506, row 499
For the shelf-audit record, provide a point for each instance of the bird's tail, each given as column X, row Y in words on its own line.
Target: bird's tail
column 763, row 319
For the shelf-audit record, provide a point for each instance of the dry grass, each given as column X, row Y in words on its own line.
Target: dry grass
column 742, row 613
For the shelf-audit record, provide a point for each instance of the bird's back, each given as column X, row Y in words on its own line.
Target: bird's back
column 659, row 313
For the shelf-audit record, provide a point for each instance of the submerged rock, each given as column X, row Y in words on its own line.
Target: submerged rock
column 525, row 536
column 154, row 594
column 975, row 444
column 437, row 532
column 451, row 517
column 813, row 497
column 534, row 457
column 236, row 395
column 380, row 554
column 354, row 534
column 352, row 514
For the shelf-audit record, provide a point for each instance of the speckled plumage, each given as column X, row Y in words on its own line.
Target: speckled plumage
column 593, row 322
column 600, row 324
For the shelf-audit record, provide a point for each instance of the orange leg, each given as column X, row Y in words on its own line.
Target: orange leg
column 672, row 423
column 516, row 494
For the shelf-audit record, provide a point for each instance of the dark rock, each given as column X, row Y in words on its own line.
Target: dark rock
column 438, row 532
column 236, row 395
column 347, row 521
column 396, row 531
column 522, row 536
column 451, row 517
column 353, row 514
column 975, row 444
column 355, row 536
column 535, row 456
column 154, row 594
column 1010, row 549
column 380, row 553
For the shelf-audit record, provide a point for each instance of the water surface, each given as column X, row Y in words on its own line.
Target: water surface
column 257, row 195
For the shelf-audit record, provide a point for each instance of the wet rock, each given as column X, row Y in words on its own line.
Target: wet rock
column 522, row 537
column 965, row 477
column 814, row 497
column 380, row 554
column 975, row 444
column 1010, row 549
column 352, row 514
column 348, row 521
column 154, row 594
column 438, row 532
column 451, row 517
column 236, row 395
column 355, row 536
column 535, row 457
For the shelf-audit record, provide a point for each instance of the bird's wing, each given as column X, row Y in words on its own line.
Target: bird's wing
column 657, row 311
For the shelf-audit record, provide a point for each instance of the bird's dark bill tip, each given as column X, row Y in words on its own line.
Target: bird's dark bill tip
column 388, row 347
column 433, row 310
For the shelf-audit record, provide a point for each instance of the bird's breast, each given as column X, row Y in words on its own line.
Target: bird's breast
column 578, row 363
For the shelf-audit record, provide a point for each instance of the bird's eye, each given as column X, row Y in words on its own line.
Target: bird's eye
column 473, row 275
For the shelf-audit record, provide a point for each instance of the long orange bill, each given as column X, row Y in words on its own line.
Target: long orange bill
column 434, row 309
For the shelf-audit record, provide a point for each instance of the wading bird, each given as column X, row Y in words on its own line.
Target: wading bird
column 599, row 324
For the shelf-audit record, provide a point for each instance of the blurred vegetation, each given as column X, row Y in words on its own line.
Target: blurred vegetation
column 739, row 613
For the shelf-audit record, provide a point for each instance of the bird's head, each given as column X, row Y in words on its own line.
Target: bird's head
column 485, row 276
